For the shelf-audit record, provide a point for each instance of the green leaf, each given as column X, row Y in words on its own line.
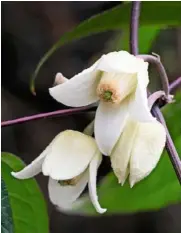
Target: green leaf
column 6, row 214
column 160, row 189
column 160, row 14
column 27, row 203
column 172, row 113
column 146, row 34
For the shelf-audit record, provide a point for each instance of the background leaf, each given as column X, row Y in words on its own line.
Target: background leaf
column 160, row 189
column 27, row 203
column 160, row 14
column 6, row 214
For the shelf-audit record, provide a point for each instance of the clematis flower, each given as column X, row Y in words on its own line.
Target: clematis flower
column 138, row 150
column 71, row 161
column 118, row 80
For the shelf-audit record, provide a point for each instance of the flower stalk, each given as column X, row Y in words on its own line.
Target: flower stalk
column 63, row 112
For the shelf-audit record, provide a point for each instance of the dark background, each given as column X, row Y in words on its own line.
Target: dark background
column 29, row 29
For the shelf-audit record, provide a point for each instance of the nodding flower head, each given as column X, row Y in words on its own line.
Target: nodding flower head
column 71, row 161
column 118, row 80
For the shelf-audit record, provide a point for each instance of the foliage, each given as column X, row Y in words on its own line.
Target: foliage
column 157, row 15
column 28, row 207
column 6, row 214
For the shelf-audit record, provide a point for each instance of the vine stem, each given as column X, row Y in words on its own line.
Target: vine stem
column 135, row 13
column 64, row 112
column 174, row 158
column 161, row 70
column 175, row 84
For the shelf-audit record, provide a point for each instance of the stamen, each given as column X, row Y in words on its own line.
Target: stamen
column 70, row 182
column 107, row 95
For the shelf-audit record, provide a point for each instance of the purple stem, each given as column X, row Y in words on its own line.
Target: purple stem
column 161, row 70
column 155, row 110
column 135, row 13
column 175, row 84
column 64, row 112
column 172, row 152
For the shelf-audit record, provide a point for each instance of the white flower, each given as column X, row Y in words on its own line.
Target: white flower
column 138, row 150
column 71, row 161
column 119, row 81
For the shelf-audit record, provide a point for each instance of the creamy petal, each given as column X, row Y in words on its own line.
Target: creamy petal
column 109, row 122
column 121, row 153
column 33, row 168
column 148, row 145
column 93, row 167
column 121, row 61
column 71, row 153
column 138, row 107
column 59, row 79
column 80, row 90
column 65, row 196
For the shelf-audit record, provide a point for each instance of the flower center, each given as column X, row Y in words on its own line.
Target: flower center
column 114, row 87
column 109, row 91
column 107, row 95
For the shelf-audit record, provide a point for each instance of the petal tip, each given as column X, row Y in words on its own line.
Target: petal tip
column 16, row 175
column 102, row 211
column 132, row 183
column 13, row 174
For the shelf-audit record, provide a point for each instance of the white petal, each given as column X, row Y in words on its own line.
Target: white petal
column 80, row 90
column 93, row 167
column 71, row 153
column 89, row 129
column 149, row 143
column 138, row 107
column 109, row 122
column 121, row 61
column 33, row 168
column 121, row 153
column 64, row 196
column 59, row 79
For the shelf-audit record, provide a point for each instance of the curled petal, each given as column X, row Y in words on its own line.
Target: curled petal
column 138, row 107
column 71, row 153
column 121, row 153
column 33, row 168
column 109, row 122
column 59, row 79
column 148, row 145
column 65, row 196
column 80, row 90
column 93, row 167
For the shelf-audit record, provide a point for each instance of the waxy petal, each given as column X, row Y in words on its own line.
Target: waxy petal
column 121, row 61
column 148, row 146
column 109, row 122
column 121, row 153
column 71, row 153
column 80, row 90
column 33, row 168
column 138, row 107
column 93, row 167
column 65, row 196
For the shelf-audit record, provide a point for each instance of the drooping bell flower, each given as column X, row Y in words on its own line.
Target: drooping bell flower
column 71, row 161
column 119, row 81
column 138, row 150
